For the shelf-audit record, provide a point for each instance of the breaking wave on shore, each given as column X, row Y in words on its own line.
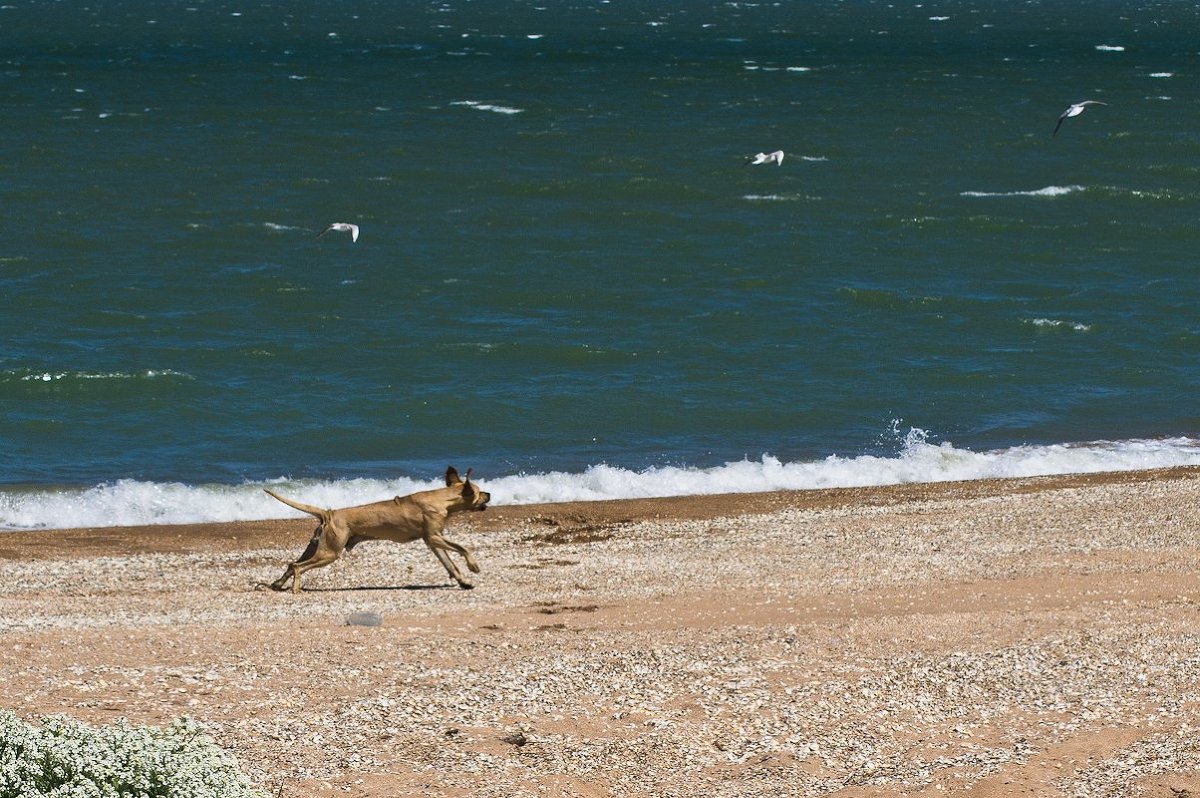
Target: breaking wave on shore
column 133, row 502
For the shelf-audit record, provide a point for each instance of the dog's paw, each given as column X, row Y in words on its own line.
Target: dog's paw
column 466, row 585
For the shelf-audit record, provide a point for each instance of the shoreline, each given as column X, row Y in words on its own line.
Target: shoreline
column 1032, row 636
column 138, row 502
column 201, row 536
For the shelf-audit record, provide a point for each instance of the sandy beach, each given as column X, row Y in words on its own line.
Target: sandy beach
column 1014, row 637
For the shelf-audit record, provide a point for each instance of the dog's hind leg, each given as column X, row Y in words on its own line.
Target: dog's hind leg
column 326, row 545
column 309, row 551
column 311, row 548
column 288, row 574
column 323, row 556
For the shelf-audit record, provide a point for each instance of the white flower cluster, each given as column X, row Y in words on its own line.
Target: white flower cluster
column 65, row 758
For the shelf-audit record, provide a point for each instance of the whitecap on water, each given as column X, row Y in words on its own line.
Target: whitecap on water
column 499, row 109
column 1059, row 324
column 61, row 376
column 1048, row 191
column 773, row 197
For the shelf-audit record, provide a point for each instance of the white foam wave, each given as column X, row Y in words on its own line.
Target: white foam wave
column 130, row 502
column 57, row 376
column 772, row 197
column 1048, row 191
column 1052, row 323
column 499, row 109
column 1110, row 48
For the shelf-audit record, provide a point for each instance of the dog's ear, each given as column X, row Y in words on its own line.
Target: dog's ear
column 452, row 476
column 470, row 491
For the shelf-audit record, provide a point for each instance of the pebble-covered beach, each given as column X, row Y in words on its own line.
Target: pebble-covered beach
column 1020, row 637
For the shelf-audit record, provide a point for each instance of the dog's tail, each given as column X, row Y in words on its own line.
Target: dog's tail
column 321, row 513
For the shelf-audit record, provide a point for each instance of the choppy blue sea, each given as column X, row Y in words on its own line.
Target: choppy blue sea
column 566, row 277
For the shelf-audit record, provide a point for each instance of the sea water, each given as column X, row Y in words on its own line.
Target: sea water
column 567, row 278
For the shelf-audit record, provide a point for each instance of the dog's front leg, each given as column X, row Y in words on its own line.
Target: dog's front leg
column 462, row 550
column 439, row 546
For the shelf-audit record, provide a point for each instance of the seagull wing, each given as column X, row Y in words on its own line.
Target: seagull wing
column 326, row 230
column 353, row 232
column 1075, row 109
column 1065, row 114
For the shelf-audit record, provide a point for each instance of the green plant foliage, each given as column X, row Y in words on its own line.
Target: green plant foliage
column 65, row 758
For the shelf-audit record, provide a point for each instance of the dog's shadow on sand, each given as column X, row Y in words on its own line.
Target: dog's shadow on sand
column 359, row 588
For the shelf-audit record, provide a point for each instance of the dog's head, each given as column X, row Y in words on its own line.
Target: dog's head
column 473, row 498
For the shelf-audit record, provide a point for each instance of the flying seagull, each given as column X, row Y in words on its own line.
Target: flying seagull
column 342, row 227
column 767, row 157
column 1075, row 110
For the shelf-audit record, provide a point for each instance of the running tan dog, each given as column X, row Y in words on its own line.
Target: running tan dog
column 419, row 515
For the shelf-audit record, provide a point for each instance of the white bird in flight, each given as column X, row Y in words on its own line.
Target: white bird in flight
column 1074, row 110
column 342, row 227
column 767, row 157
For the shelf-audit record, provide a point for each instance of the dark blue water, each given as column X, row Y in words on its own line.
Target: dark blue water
column 564, row 262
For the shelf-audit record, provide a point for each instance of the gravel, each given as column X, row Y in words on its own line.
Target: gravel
column 1031, row 637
